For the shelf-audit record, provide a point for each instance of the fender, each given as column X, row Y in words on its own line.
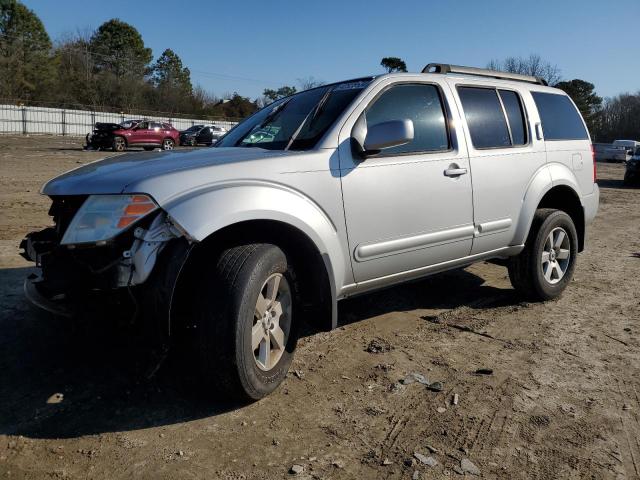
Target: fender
column 204, row 211
column 548, row 176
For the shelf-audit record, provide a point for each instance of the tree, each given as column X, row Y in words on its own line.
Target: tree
column 169, row 72
column 585, row 98
column 119, row 49
column 618, row 118
column 25, row 47
column 121, row 61
column 532, row 65
column 235, row 107
column 307, row 83
column 393, row 64
column 274, row 95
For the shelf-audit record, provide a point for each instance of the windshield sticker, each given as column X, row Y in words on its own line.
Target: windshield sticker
column 351, row 86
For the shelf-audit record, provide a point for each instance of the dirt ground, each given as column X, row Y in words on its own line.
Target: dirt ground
column 562, row 401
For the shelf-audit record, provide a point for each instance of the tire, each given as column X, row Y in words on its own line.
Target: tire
column 535, row 279
column 119, row 144
column 168, row 144
column 149, row 149
column 228, row 299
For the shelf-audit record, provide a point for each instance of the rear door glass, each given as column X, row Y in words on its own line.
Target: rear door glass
column 515, row 116
column 485, row 117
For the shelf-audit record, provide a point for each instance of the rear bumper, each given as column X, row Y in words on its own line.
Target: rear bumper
column 590, row 203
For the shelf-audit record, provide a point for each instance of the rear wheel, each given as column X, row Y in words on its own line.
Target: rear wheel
column 119, row 144
column 545, row 267
column 246, row 324
column 168, row 144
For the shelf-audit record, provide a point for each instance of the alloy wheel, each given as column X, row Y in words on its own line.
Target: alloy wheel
column 271, row 322
column 556, row 255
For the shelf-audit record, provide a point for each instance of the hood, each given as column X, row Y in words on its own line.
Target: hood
column 109, row 127
column 133, row 171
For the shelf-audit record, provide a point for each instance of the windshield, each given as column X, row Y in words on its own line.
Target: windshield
column 195, row 128
column 296, row 122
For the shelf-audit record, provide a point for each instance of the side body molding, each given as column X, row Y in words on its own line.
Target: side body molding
column 204, row 211
column 547, row 177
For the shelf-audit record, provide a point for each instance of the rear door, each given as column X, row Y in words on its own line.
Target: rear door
column 408, row 206
column 504, row 156
column 566, row 137
column 156, row 133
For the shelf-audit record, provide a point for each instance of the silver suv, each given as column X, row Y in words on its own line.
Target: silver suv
column 335, row 191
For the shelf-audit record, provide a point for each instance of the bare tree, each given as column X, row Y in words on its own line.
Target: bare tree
column 309, row 82
column 532, row 65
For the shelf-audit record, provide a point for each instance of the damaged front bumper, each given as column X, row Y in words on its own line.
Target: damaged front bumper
column 124, row 270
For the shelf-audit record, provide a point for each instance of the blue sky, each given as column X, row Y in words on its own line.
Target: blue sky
column 246, row 45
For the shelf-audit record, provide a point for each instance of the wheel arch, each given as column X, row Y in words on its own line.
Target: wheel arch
column 259, row 212
column 313, row 270
column 561, row 193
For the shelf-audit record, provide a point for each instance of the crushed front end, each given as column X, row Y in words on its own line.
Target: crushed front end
column 105, row 250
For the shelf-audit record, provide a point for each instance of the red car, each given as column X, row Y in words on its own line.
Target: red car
column 146, row 134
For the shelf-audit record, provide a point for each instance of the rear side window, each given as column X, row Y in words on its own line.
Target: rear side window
column 560, row 118
column 515, row 116
column 421, row 104
column 485, row 117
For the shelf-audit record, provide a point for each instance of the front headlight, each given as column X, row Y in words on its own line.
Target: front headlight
column 102, row 217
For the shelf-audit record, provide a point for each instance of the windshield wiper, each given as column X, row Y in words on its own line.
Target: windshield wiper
column 310, row 117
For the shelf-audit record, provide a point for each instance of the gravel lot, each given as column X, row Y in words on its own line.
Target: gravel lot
column 562, row 401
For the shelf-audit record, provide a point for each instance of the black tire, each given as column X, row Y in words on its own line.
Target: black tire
column 225, row 306
column 526, row 271
column 168, row 144
column 119, row 144
column 148, row 149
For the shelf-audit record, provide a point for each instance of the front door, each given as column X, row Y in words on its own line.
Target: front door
column 138, row 134
column 409, row 206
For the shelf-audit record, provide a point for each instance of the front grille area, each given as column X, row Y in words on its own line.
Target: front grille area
column 63, row 209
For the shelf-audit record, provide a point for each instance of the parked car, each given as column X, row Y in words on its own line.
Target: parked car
column 628, row 146
column 101, row 138
column 201, row 134
column 354, row 187
column 607, row 152
column 632, row 170
column 146, row 134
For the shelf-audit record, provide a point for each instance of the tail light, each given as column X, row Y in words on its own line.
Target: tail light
column 593, row 157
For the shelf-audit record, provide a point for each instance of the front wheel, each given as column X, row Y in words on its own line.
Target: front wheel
column 246, row 321
column 168, row 144
column 119, row 144
column 545, row 267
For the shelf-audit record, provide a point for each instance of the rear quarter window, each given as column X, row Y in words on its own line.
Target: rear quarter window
column 560, row 118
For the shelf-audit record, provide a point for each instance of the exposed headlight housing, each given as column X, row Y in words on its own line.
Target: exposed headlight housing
column 102, row 217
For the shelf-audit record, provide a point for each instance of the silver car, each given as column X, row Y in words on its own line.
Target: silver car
column 335, row 191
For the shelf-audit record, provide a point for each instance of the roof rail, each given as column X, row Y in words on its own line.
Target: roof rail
column 481, row 72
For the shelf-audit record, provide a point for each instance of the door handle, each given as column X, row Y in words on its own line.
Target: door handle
column 455, row 171
column 539, row 131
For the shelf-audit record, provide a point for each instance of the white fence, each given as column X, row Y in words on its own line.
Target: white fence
column 60, row 121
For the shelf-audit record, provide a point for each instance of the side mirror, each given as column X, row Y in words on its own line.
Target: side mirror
column 370, row 141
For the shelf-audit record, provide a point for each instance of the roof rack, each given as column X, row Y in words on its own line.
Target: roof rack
column 481, row 72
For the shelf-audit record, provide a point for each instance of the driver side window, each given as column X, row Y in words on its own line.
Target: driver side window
column 143, row 126
column 420, row 103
